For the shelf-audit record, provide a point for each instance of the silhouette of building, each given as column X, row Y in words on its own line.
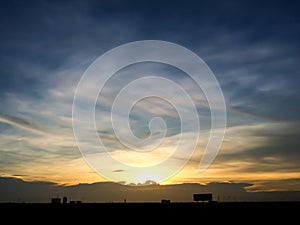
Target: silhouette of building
column 65, row 200
column 75, row 202
column 203, row 197
column 56, row 200
column 165, row 201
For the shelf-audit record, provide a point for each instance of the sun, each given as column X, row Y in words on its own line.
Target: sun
column 146, row 178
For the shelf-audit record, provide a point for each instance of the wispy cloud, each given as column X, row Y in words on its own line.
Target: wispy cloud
column 22, row 123
column 46, row 49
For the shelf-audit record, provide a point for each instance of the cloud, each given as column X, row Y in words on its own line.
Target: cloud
column 22, row 123
column 148, row 134
column 16, row 190
column 45, row 50
column 258, row 143
column 258, row 154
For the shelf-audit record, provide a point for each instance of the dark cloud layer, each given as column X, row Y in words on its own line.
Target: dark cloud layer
column 22, row 123
column 279, row 151
column 17, row 190
column 240, row 41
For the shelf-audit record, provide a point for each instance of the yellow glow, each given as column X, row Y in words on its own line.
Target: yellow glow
column 143, row 177
column 70, row 172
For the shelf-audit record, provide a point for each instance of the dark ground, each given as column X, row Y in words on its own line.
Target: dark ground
column 240, row 212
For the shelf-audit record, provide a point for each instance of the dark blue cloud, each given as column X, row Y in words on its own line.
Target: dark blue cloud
column 17, row 190
column 46, row 34
column 251, row 46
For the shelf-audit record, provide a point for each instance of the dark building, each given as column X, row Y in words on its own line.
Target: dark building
column 65, row 200
column 203, row 197
column 55, row 200
column 165, row 201
column 75, row 202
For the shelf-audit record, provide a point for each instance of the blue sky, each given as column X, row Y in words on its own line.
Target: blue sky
column 251, row 46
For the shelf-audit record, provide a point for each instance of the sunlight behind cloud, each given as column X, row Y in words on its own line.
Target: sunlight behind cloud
column 46, row 48
column 143, row 178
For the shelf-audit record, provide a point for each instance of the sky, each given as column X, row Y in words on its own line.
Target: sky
column 252, row 47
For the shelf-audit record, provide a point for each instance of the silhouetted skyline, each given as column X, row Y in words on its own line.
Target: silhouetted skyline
column 18, row 191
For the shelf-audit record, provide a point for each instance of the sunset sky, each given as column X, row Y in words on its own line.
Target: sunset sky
column 252, row 47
